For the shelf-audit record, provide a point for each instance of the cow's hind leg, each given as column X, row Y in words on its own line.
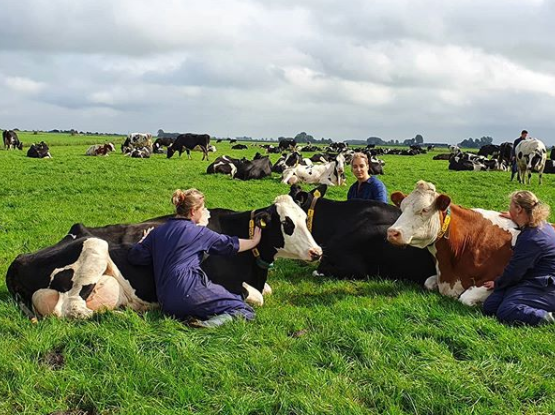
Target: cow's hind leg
column 474, row 296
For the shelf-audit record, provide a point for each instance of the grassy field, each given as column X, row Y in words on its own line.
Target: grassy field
column 318, row 346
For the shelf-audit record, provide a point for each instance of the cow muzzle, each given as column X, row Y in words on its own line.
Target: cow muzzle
column 395, row 237
column 315, row 253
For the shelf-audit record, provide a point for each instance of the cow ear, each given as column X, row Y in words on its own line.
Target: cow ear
column 263, row 219
column 320, row 191
column 397, row 198
column 298, row 195
column 442, row 202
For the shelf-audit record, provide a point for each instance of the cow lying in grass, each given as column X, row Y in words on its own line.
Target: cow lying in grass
column 88, row 269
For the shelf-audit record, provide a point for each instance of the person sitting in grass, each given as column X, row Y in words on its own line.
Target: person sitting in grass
column 366, row 187
column 525, row 292
column 176, row 248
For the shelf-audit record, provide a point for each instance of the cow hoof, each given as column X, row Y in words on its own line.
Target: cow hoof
column 431, row 283
column 267, row 290
column 315, row 273
column 474, row 296
column 254, row 296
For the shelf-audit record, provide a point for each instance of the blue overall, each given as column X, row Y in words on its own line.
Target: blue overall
column 372, row 189
column 175, row 250
column 525, row 292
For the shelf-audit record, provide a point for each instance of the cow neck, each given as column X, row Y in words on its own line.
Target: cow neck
column 310, row 213
column 256, row 253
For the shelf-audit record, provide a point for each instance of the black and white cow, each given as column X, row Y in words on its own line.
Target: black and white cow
column 39, row 151
column 331, row 173
column 353, row 234
column 505, row 151
column 242, row 169
column 11, row 140
column 88, row 269
column 531, row 155
column 286, row 161
column 162, row 142
column 489, row 150
column 187, row 142
column 137, row 141
column 239, row 147
column 139, row 153
column 287, row 144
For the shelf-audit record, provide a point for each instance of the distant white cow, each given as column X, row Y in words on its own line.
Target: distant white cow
column 530, row 155
column 331, row 173
column 137, row 141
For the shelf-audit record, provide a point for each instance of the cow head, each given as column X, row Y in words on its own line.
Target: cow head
column 304, row 199
column 284, row 231
column 171, row 151
column 420, row 220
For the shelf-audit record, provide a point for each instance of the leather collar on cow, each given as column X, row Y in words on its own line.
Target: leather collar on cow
column 259, row 261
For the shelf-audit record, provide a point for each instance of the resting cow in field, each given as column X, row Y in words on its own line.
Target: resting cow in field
column 471, row 246
column 287, row 144
column 11, row 140
column 239, row 147
column 489, row 150
column 353, row 235
column 531, row 155
column 88, row 270
column 331, row 173
column 100, row 149
column 257, row 168
column 39, row 151
column 137, row 141
column 187, row 142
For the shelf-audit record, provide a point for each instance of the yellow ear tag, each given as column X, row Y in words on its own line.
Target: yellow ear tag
column 262, row 224
column 317, row 193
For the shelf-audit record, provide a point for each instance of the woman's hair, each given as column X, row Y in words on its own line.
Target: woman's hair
column 359, row 155
column 536, row 210
column 186, row 201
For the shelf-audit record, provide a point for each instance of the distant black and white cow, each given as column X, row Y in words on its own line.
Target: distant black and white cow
column 489, row 150
column 162, row 142
column 355, row 246
column 287, row 144
column 137, row 141
column 88, row 269
column 100, row 149
column 39, row 151
column 187, row 142
column 239, row 147
column 139, row 153
column 453, row 149
column 242, row 169
column 11, row 140
column 531, row 155
column 505, row 150
column 331, row 173
column 286, row 161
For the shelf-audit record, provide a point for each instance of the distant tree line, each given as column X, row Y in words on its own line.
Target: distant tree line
column 476, row 143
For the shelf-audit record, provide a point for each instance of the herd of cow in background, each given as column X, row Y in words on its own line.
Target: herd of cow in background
column 327, row 166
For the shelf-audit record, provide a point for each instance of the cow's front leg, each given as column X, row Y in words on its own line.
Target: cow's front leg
column 475, row 296
column 431, row 283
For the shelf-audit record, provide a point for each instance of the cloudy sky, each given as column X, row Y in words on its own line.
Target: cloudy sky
column 447, row 70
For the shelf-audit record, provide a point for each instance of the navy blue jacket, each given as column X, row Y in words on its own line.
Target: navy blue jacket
column 372, row 189
column 533, row 256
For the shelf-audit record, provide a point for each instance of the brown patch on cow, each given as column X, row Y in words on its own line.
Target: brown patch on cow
column 54, row 359
column 473, row 250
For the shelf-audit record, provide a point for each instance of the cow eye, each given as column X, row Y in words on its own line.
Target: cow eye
column 425, row 210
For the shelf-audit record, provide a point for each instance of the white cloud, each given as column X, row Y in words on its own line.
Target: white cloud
column 23, row 85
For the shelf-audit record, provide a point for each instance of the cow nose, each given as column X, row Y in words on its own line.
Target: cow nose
column 393, row 235
column 315, row 253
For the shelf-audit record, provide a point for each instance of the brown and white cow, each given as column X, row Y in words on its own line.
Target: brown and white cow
column 471, row 246
column 100, row 149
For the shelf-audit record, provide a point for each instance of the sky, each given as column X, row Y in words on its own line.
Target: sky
column 447, row 70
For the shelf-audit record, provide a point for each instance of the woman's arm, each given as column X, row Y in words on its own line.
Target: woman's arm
column 246, row 244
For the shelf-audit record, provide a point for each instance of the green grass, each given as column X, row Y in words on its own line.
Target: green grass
column 367, row 347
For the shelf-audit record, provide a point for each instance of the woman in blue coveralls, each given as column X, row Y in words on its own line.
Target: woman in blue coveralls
column 366, row 187
column 175, row 249
column 525, row 292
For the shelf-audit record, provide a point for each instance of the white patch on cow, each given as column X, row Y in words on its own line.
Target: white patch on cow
column 205, row 218
column 267, row 289
column 328, row 173
column 93, row 266
column 254, row 296
column 431, row 283
column 454, row 291
column 315, row 273
column 419, row 223
column 475, row 296
column 300, row 243
column 504, row 223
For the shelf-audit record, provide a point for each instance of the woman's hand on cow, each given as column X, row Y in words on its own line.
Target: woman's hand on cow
column 257, row 235
column 489, row 285
column 246, row 244
column 505, row 215
column 145, row 233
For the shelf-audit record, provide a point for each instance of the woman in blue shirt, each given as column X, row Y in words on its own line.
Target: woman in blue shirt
column 176, row 248
column 525, row 292
column 366, row 187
